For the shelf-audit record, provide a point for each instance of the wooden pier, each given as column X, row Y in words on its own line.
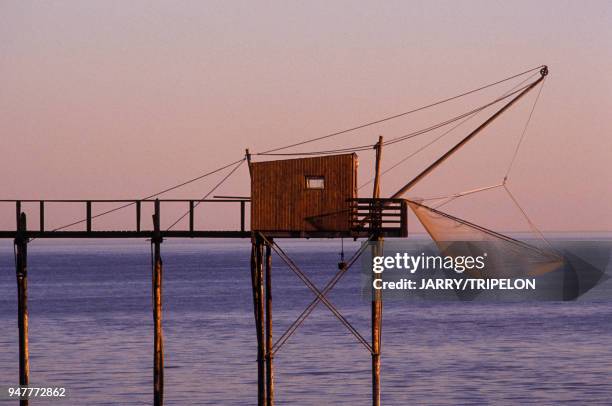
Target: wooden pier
column 313, row 197
column 383, row 217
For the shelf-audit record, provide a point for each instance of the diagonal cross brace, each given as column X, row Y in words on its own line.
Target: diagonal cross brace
column 320, row 296
column 307, row 311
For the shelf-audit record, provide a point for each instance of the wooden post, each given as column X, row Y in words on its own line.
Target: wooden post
column 376, row 329
column 247, row 155
column 191, row 216
column 138, row 210
column 88, row 205
column 376, row 293
column 18, row 213
column 269, row 355
column 258, row 306
column 42, row 215
column 158, row 340
column 21, row 243
column 242, row 215
column 376, row 191
column 404, row 219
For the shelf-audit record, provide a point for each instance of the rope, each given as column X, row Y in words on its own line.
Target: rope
column 417, row 151
column 457, row 118
column 534, row 228
column 467, row 118
column 371, row 123
column 357, row 148
column 405, row 136
column 209, row 193
column 461, row 194
column 518, row 145
column 150, row 196
column 503, row 184
column 452, row 198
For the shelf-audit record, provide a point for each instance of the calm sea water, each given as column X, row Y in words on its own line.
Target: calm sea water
column 91, row 331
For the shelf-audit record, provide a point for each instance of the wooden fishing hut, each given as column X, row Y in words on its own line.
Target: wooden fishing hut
column 297, row 197
column 291, row 198
column 314, row 197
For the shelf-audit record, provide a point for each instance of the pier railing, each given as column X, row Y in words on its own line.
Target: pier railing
column 82, row 226
column 388, row 217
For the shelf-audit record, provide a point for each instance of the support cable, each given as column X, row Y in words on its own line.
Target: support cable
column 209, row 193
column 450, row 198
column 404, row 137
column 371, row 123
column 150, row 196
column 401, row 161
column 520, row 141
column 503, row 184
column 467, row 118
column 534, row 228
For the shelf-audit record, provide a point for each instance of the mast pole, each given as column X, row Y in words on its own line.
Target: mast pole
column 376, row 220
column 415, row 180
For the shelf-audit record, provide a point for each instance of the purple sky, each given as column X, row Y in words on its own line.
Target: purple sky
column 116, row 99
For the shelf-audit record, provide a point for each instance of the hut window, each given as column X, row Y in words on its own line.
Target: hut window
column 315, row 182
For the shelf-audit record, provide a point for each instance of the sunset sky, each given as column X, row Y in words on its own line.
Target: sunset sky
column 120, row 99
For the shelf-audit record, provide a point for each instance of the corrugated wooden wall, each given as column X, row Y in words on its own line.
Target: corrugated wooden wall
column 280, row 200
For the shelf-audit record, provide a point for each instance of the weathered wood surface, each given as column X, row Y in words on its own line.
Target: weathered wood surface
column 377, row 250
column 158, row 338
column 280, row 200
column 257, row 280
column 269, row 342
column 21, row 243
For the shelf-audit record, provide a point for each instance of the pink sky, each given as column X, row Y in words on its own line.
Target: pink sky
column 116, row 99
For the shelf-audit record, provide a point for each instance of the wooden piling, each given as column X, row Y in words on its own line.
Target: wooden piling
column 269, row 343
column 191, row 220
column 376, row 330
column 258, row 306
column 88, row 213
column 376, row 293
column 18, row 213
column 138, row 212
column 158, row 340
column 41, row 210
column 21, row 245
column 242, row 215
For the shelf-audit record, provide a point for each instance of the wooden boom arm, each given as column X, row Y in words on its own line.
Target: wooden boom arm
column 434, row 165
